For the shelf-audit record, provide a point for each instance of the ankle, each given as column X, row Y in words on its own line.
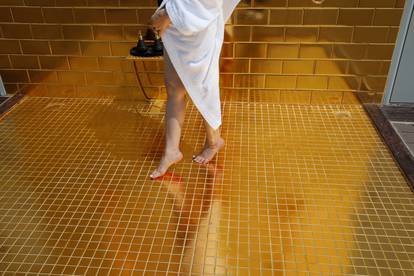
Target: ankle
column 172, row 151
column 216, row 143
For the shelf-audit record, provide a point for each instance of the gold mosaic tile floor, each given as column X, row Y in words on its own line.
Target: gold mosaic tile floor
column 298, row 190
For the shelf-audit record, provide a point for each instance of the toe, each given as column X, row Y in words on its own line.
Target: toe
column 155, row 174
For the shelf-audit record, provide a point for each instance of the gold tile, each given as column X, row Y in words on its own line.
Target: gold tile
column 156, row 79
column 265, row 66
column 280, row 81
column 356, row 16
column 323, row 16
column 115, row 91
column 315, row 51
column 58, row 15
column 226, row 80
column 14, row 75
column 335, row 34
column 332, row 3
column 269, row 34
column 74, row 3
column 351, row 51
column 377, row 4
column 121, row 48
column 237, row 33
column 71, row 77
column 248, row 80
column 271, row 3
column 327, row 97
column 400, row 4
column 385, row 67
column 286, row 17
column 370, row 34
column 53, row 62
column 61, row 90
column 302, row 34
column 11, row 88
column 131, row 32
column 16, row 31
column 250, row 50
column 344, row 83
column 65, row 47
column 283, row 51
column 252, row 17
column 6, row 14
column 27, row 14
column 5, row 61
column 94, row 48
column 312, row 82
column 235, row 65
column 121, row 16
column 331, row 67
column 108, row 32
column 364, row 67
column 77, row 32
column 40, row 2
column 144, row 15
column 265, row 95
column 83, row 63
column 43, row 76
column 102, row 3
column 47, row 31
column 124, row 78
column 294, row 97
column 116, row 64
column 374, row 83
column 94, row 78
column 24, row 61
column 297, row 67
column 275, row 27
column 89, row 15
column 392, row 34
column 41, row 47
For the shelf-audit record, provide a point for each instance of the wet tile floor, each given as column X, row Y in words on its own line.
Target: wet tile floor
column 298, row 190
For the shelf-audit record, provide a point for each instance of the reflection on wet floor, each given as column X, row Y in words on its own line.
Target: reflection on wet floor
column 298, row 190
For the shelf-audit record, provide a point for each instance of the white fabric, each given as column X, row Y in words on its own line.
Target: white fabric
column 193, row 43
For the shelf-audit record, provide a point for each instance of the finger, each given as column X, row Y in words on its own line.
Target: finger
column 156, row 24
column 153, row 18
column 153, row 24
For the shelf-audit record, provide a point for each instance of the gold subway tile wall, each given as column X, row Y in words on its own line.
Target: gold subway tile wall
column 295, row 50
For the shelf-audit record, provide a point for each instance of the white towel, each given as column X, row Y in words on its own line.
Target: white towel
column 193, row 43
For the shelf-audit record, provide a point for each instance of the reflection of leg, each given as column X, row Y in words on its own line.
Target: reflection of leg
column 213, row 144
column 202, row 253
column 174, row 119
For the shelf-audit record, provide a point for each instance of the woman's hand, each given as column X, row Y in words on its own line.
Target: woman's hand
column 160, row 21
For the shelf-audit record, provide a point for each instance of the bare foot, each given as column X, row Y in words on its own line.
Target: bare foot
column 166, row 161
column 209, row 152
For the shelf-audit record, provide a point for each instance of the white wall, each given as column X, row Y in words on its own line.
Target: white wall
column 400, row 84
column 2, row 89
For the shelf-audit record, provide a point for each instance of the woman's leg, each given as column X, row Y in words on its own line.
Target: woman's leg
column 174, row 118
column 212, row 145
